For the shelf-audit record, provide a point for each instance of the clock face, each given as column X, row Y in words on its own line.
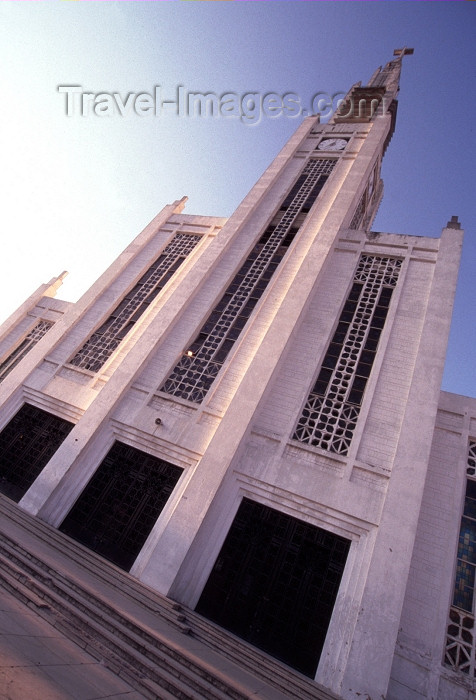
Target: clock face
column 332, row 145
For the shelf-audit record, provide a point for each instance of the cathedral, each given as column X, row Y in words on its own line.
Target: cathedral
column 244, row 416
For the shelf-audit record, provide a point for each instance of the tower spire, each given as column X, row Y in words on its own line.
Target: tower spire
column 365, row 103
column 389, row 76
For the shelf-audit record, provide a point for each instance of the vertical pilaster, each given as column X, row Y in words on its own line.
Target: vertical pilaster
column 370, row 658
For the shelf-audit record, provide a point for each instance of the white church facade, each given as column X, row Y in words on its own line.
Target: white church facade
column 246, row 415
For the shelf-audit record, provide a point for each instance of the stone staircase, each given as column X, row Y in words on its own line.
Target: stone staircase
column 159, row 647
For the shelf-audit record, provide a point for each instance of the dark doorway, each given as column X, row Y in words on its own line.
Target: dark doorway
column 275, row 583
column 120, row 505
column 27, row 444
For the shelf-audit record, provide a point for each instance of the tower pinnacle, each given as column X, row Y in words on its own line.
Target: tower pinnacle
column 389, row 76
column 365, row 103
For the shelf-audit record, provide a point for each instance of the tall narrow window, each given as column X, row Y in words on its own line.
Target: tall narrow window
column 196, row 370
column 105, row 339
column 24, row 348
column 330, row 413
column 460, row 641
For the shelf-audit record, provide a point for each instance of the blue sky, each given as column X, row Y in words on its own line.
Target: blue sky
column 76, row 190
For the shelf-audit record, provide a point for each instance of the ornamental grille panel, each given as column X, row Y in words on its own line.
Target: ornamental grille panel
column 24, row 348
column 275, row 583
column 195, row 372
column 27, row 444
column 331, row 411
column 107, row 337
column 460, row 651
column 121, row 503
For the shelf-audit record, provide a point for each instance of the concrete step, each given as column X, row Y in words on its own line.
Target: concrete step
column 284, row 678
column 139, row 653
column 74, row 552
column 129, row 613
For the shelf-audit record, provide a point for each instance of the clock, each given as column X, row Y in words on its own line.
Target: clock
column 332, row 145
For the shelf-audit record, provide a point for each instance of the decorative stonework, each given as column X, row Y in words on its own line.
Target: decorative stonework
column 459, row 652
column 196, row 370
column 24, row 347
column 100, row 346
column 331, row 411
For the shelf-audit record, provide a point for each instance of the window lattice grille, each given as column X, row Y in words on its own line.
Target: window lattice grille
column 460, row 651
column 194, row 374
column 275, row 583
column 27, row 443
column 106, row 339
column 24, row 348
column 121, row 503
column 331, row 411
column 471, row 469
